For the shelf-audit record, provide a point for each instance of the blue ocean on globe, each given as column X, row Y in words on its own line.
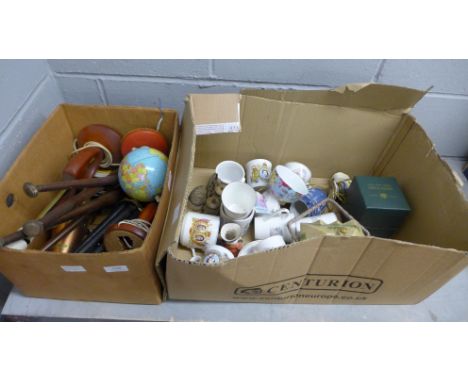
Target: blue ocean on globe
column 142, row 173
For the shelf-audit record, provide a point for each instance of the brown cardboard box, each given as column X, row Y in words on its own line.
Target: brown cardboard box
column 40, row 274
column 360, row 129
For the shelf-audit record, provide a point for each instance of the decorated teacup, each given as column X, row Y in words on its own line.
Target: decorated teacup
column 300, row 169
column 286, row 186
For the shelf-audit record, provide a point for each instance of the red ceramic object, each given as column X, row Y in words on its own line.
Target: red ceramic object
column 144, row 137
column 83, row 164
column 104, row 135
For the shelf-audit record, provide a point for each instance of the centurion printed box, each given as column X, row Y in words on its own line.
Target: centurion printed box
column 123, row 276
column 359, row 129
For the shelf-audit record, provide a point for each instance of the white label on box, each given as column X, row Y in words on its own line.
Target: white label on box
column 73, row 268
column 116, row 268
column 176, row 213
column 217, row 128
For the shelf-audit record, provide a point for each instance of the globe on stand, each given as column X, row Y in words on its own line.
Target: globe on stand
column 142, row 173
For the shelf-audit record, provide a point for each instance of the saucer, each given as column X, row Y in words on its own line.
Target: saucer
column 249, row 248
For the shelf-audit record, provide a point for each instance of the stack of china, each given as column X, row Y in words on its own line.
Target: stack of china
column 238, row 205
column 258, row 194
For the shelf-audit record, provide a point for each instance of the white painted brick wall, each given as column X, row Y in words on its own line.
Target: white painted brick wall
column 300, row 72
column 447, row 76
column 28, row 94
column 150, row 68
column 143, row 82
column 443, row 113
column 18, row 79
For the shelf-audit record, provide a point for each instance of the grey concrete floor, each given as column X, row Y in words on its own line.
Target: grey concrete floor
column 446, row 304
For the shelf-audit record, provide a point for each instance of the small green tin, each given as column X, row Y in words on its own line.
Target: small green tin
column 378, row 204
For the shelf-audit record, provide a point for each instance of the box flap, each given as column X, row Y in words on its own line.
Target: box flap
column 367, row 95
column 215, row 113
column 286, row 131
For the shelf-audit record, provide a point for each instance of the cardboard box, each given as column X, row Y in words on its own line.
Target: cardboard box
column 127, row 276
column 360, row 129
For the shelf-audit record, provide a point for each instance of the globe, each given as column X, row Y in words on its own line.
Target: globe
column 142, row 173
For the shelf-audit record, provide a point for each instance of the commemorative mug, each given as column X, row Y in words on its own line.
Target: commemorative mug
column 258, row 173
column 199, row 230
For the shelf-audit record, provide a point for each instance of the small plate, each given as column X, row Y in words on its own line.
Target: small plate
column 248, row 248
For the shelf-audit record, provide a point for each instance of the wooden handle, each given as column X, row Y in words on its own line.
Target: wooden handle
column 148, row 212
column 84, row 164
column 39, row 225
column 102, row 201
column 12, row 237
column 35, row 227
column 33, row 190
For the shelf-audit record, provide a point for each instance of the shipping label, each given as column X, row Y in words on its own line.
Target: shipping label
column 218, row 128
column 73, row 268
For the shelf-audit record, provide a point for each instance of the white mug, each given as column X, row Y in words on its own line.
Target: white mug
column 300, row 169
column 274, row 224
column 272, row 242
column 258, row 173
column 228, row 172
column 199, row 230
column 244, row 223
column 238, row 200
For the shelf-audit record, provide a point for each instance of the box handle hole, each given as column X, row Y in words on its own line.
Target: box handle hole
column 10, row 200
